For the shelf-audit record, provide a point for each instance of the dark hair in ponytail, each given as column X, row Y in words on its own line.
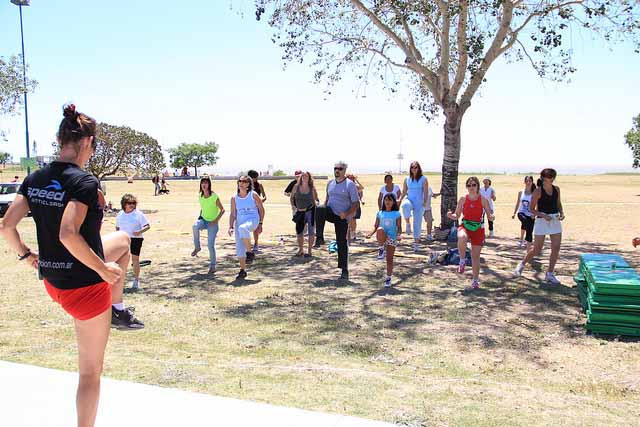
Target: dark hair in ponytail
column 75, row 126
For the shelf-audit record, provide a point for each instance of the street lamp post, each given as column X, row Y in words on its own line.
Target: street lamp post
column 21, row 3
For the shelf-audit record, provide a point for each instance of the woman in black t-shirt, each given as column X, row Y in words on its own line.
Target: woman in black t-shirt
column 82, row 271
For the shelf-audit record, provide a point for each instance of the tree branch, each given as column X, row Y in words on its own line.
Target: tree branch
column 491, row 55
column 430, row 77
column 463, row 55
column 445, row 50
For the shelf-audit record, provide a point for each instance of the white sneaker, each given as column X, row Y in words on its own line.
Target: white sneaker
column 519, row 269
column 135, row 284
column 520, row 243
column 380, row 253
column 408, row 229
column 430, row 237
column 491, row 233
column 387, row 282
column 551, row 278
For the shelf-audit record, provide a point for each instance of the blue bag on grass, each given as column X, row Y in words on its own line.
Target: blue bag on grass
column 453, row 257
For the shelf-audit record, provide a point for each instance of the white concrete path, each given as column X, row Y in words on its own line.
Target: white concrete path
column 38, row 397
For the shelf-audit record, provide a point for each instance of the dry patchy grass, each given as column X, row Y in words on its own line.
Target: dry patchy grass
column 425, row 353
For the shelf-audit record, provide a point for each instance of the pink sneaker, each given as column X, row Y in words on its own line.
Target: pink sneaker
column 475, row 284
column 461, row 266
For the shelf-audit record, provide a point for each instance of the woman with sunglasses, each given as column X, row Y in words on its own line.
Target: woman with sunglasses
column 247, row 214
column 546, row 206
column 134, row 223
column 471, row 209
column 211, row 210
column 523, row 210
column 415, row 191
column 82, row 271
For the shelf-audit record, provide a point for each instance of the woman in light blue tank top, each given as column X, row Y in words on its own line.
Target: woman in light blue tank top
column 247, row 214
column 413, row 201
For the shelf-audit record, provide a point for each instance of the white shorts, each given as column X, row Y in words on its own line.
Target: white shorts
column 542, row 227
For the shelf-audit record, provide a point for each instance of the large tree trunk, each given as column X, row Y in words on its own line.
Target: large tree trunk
column 449, row 189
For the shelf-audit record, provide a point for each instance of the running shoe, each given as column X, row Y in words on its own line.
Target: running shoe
column 136, row 284
column 387, row 282
column 318, row 243
column 491, row 233
column 345, row 274
column 519, row 269
column 124, row 319
column 380, row 253
column 408, row 229
column 250, row 257
column 256, row 249
column 551, row 278
column 475, row 284
column 241, row 275
column 430, row 237
column 415, row 247
column 461, row 266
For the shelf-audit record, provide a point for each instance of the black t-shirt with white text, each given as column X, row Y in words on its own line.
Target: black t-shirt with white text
column 48, row 192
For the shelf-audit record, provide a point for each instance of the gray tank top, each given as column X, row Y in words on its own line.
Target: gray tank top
column 303, row 200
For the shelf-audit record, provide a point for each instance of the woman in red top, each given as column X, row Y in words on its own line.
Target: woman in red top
column 471, row 208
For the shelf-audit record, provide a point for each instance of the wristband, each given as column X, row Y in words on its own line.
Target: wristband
column 25, row 256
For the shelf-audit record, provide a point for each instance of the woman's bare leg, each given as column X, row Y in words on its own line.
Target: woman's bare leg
column 92, row 336
column 116, row 248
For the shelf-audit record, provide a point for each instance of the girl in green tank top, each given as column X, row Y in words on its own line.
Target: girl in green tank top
column 211, row 210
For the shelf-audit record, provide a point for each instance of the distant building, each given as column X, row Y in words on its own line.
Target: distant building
column 44, row 160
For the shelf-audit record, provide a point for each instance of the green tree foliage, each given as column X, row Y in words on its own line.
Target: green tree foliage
column 279, row 172
column 632, row 138
column 4, row 158
column 12, row 87
column 442, row 49
column 123, row 150
column 193, row 155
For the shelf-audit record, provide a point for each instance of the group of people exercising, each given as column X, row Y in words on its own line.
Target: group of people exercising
column 84, row 272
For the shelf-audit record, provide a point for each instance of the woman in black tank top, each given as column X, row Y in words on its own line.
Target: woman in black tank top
column 546, row 207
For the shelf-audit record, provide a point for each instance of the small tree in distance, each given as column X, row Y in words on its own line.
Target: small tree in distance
column 4, row 158
column 632, row 139
column 193, row 155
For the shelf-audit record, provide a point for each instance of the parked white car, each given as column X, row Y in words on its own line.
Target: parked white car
column 7, row 195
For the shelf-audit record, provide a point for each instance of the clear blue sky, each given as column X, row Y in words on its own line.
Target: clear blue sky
column 203, row 72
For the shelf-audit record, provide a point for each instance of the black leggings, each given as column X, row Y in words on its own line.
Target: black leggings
column 526, row 225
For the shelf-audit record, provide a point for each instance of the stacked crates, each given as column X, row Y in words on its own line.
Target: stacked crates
column 609, row 291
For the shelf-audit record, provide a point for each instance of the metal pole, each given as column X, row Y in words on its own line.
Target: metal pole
column 24, row 78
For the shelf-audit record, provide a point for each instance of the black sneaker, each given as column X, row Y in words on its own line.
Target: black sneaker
column 250, row 257
column 241, row 275
column 344, row 275
column 124, row 319
column 318, row 243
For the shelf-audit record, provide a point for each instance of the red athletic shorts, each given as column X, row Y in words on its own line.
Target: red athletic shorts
column 475, row 237
column 82, row 303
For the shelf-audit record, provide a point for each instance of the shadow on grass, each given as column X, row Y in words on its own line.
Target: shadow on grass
column 506, row 313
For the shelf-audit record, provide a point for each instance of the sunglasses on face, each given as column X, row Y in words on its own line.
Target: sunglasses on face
column 244, row 181
column 131, row 203
column 337, row 168
column 414, row 167
column 471, row 185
